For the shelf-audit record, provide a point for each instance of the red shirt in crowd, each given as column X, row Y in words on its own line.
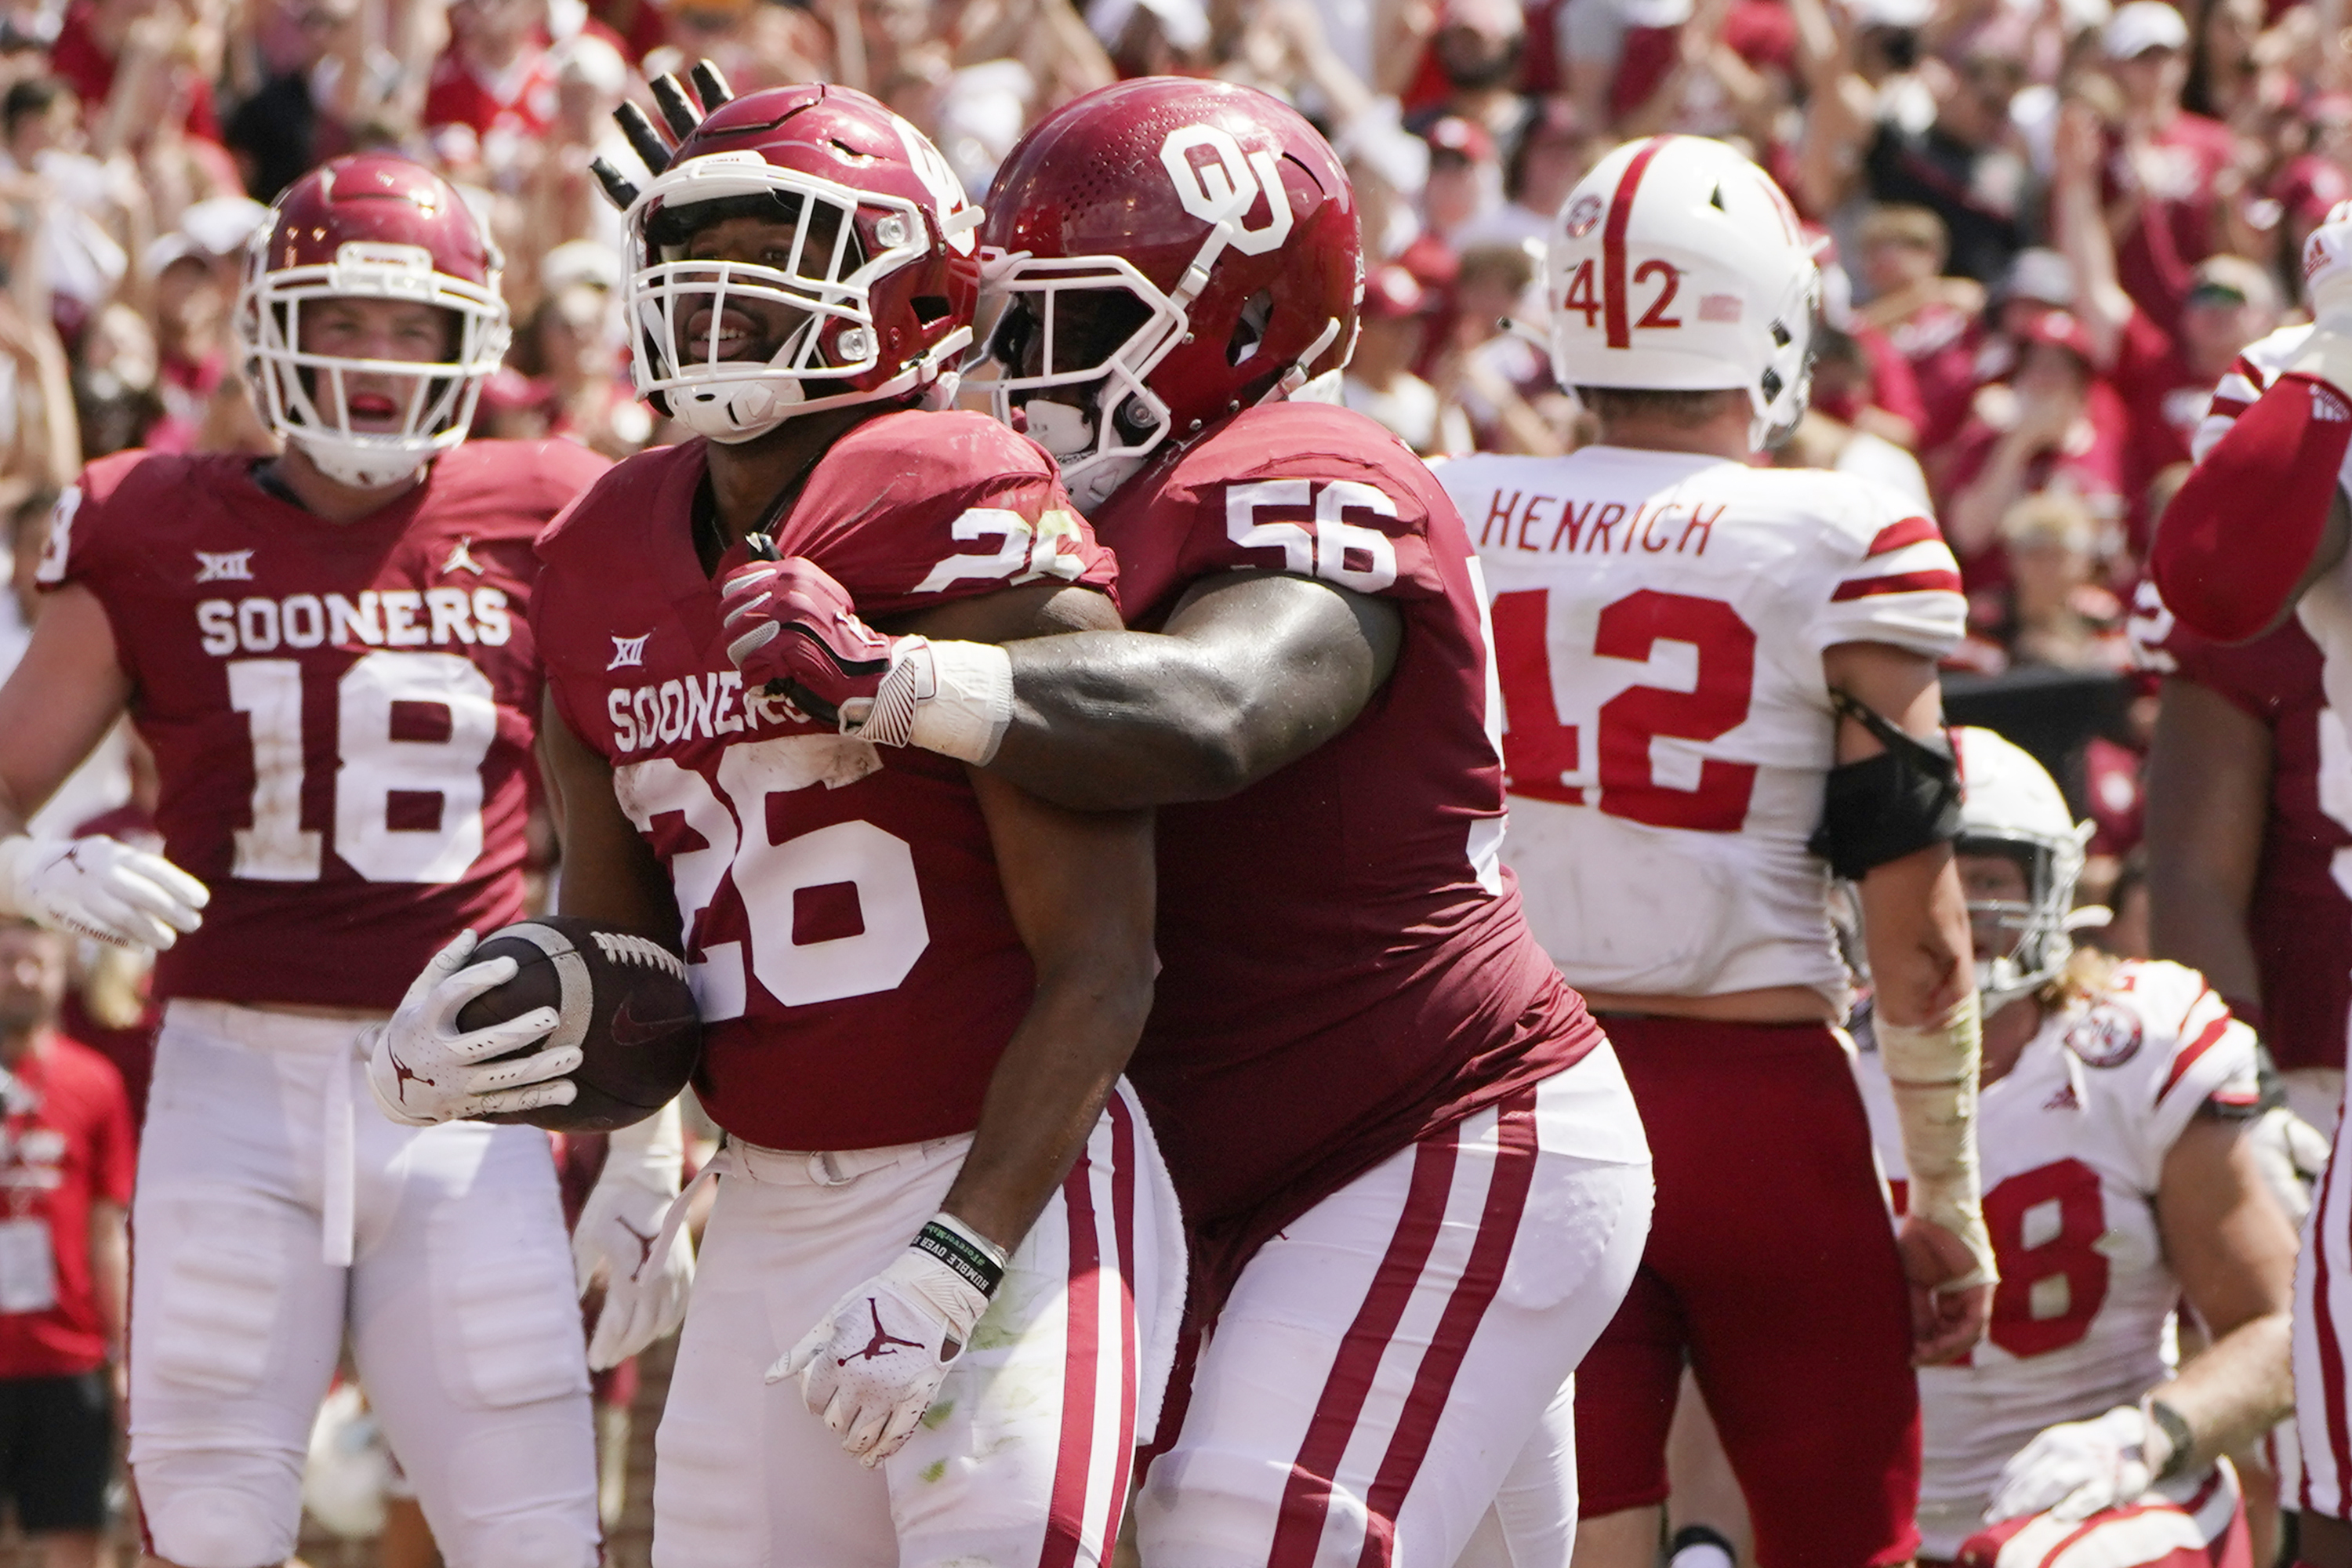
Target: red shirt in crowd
column 65, row 1143
column 2092, row 466
column 77, row 58
column 519, row 103
column 2175, row 175
column 1940, row 344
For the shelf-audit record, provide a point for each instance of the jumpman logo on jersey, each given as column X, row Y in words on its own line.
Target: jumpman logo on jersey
column 2064, row 1100
column 645, row 1241
column 629, row 651
column 233, row 566
column 461, row 559
column 879, row 1345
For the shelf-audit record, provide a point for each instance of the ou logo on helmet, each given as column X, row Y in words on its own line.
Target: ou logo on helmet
column 1223, row 188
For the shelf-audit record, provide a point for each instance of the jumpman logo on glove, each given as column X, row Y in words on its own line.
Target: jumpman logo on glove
column 879, row 1345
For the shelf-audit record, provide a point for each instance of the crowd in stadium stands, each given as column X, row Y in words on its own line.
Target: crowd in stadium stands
column 2047, row 229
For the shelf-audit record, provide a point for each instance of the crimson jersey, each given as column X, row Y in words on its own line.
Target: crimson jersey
column 342, row 713
column 1344, row 963
column 856, row 968
column 2299, row 917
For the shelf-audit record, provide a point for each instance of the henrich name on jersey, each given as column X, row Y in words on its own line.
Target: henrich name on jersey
column 2072, row 1140
column 1659, row 621
column 343, row 738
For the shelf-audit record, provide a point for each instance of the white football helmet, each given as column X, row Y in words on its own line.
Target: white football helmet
column 2009, row 805
column 1678, row 266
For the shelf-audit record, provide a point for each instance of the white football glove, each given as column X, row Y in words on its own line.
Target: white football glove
column 423, row 1071
column 2327, row 284
column 99, row 888
column 874, row 1363
column 644, row 1296
column 2073, row 1470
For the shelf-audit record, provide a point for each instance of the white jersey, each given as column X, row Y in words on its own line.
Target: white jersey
column 2326, row 609
column 1659, row 619
column 2072, row 1140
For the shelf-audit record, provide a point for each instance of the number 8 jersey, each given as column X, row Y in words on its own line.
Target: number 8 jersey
column 340, row 713
column 1659, row 624
column 2073, row 1139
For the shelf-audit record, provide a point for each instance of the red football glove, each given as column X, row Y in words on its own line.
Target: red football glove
column 791, row 627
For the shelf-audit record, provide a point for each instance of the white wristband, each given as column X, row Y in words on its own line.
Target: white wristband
column 653, row 1149
column 13, row 851
column 952, row 697
column 1932, row 1070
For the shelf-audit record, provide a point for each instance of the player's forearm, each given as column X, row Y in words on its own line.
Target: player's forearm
column 2198, row 919
column 1915, row 933
column 2236, row 1389
column 109, row 1273
column 1048, row 1091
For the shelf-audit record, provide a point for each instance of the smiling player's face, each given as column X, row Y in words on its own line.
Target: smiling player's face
column 753, row 328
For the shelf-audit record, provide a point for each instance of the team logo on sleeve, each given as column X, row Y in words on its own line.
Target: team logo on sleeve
column 629, row 653
column 2107, row 1036
column 227, row 566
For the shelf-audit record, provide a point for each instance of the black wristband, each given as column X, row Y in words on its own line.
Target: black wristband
column 976, row 1269
column 2169, row 1421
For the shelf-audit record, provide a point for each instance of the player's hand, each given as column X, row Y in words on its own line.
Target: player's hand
column 422, row 1069
column 789, row 622
column 1945, row 1323
column 644, row 1296
column 2073, row 1470
column 874, row 1363
column 99, row 888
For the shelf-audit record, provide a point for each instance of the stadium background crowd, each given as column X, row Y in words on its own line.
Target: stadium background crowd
column 2050, row 227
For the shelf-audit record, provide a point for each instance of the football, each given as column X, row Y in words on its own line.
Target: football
column 623, row 1000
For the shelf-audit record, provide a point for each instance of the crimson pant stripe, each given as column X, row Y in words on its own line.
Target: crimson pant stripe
column 1122, row 1215
column 2323, row 1328
column 1612, row 243
column 1066, row 1515
column 1307, row 1494
column 1507, row 1200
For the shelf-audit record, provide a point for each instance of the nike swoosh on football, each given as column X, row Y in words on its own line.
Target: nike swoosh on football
column 628, row 1030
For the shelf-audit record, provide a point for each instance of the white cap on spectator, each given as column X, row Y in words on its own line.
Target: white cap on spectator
column 1185, row 22
column 2040, row 275
column 222, row 225
column 1891, row 12
column 585, row 261
column 2142, row 26
column 586, row 58
column 1653, row 13
column 167, row 248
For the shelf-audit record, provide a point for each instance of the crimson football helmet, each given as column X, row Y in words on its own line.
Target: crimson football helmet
column 1181, row 250
column 373, row 226
column 882, row 270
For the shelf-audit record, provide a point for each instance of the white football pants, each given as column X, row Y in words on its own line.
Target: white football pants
column 1379, row 1382
column 1024, row 1456
column 277, row 1209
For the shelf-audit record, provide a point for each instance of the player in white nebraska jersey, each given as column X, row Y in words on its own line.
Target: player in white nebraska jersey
column 1676, row 636
column 2260, row 529
column 2121, row 1176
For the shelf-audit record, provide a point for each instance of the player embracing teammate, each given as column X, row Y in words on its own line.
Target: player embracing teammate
column 1413, row 1177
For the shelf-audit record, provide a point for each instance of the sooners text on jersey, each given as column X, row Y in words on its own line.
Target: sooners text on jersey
column 1345, row 967
column 2073, row 1142
column 858, row 972
column 1659, row 624
column 341, row 714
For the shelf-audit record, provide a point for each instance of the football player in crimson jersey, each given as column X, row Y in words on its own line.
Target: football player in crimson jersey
column 2259, row 530
column 1412, row 1173
column 2123, row 1175
column 919, row 985
column 328, row 655
column 1719, row 687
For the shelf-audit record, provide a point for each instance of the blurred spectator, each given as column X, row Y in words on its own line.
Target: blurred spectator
column 1930, row 320
column 1474, row 56
column 66, row 1164
column 1550, row 154
column 1967, row 166
column 1501, row 382
column 100, row 37
column 1380, row 380
column 2164, row 163
column 2040, row 430
column 495, row 78
column 1842, row 430
column 2060, row 616
column 1464, row 181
